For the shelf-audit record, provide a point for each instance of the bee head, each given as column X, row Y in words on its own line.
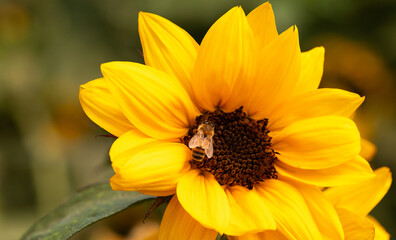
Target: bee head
column 208, row 123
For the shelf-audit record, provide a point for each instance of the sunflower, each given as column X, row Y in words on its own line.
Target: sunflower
column 275, row 133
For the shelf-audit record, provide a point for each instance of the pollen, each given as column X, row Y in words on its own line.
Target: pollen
column 242, row 149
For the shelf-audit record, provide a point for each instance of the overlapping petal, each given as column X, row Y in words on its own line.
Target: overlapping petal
column 362, row 197
column 353, row 171
column 322, row 211
column 156, row 103
column 178, row 224
column 128, row 143
column 355, row 227
column 102, row 108
column 248, row 213
column 311, row 70
column 262, row 22
column 314, row 103
column 380, row 231
column 278, row 69
column 147, row 165
column 222, row 75
column 293, row 217
column 316, row 143
column 168, row 47
column 204, row 199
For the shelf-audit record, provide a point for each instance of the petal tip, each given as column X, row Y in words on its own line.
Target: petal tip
column 145, row 15
column 237, row 10
column 140, row 15
column 104, row 67
column 267, row 6
column 109, row 67
column 295, row 29
column 362, row 99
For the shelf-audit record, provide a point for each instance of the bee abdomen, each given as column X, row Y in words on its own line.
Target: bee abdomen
column 198, row 154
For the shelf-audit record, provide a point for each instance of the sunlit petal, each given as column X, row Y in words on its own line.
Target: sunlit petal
column 156, row 103
column 278, row 69
column 314, row 103
column 293, row 217
column 355, row 227
column 262, row 23
column 102, row 108
column 353, row 171
column 311, row 70
column 167, row 47
column 322, row 211
column 178, row 224
column 362, row 197
column 147, row 165
column 225, row 64
column 204, row 199
column 380, row 231
column 248, row 213
column 315, row 143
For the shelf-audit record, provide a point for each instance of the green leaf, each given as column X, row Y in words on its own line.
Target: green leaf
column 82, row 209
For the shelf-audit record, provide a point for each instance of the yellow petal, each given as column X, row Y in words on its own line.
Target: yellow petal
column 156, row 103
column 278, row 69
column 322, row 210
column 262, row 23
column 380, row 231
column 266, row 235
column 315, row 103
column 204, row 199
column 353, row 171
column 272, row 235
column 362, row 197
column 128, row 144
column 149, row 166
column 368, row 149
column 289, row 210
column 355, row 227
column 225, row 64
column 311, row 70
column 167, row 47
column 316, row 143
column 178, row 224
column 248, row 213
column 102, row 108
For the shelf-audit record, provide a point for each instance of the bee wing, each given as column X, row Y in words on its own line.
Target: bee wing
column 196, row 140
column 209, row 148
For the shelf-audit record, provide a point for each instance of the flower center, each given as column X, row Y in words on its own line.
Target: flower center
column 242, row 149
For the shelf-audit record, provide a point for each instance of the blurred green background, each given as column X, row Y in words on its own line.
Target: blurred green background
column 49, row 148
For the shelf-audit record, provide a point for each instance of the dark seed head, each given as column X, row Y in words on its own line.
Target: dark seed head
column 242, row 149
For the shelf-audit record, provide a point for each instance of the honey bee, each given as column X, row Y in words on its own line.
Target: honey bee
column 202, row 142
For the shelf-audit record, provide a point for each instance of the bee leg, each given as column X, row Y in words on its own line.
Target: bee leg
column 106, row 135
column 140, row 53
column 158, row 202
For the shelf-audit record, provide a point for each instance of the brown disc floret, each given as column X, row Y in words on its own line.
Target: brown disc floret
column 242, row 149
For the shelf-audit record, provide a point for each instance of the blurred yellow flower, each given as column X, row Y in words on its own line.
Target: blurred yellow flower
column 368, row 149
column 275, row 133
column 142, row 231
